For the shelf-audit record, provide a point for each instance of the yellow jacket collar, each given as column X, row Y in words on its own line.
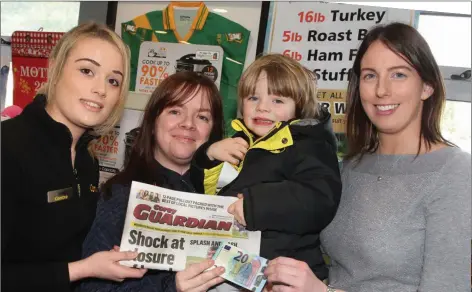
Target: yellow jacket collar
column 279, row 137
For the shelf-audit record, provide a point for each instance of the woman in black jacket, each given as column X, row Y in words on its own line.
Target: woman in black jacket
column 49, row 174
column 183, row 112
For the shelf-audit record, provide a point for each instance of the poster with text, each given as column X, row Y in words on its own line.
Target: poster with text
column 30, row 52
column 158, row 60
column 325, row 37
column 111, row 149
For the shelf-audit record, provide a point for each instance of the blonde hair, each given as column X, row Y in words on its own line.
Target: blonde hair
column 60, row 53
column 285, row 77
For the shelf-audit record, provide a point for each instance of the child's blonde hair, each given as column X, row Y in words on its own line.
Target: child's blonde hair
column 285, row 77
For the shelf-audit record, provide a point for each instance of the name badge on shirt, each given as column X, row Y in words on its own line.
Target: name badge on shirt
column 60, row 195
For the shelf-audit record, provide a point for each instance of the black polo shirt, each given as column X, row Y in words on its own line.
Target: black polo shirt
column 47, row 204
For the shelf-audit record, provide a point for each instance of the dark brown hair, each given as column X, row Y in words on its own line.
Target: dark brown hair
column 174, row 90
column 406, row 42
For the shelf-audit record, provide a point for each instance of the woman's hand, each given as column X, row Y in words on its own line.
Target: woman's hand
column 231, row 150
column 289, row 275
column 105, row 265
column 196, row 279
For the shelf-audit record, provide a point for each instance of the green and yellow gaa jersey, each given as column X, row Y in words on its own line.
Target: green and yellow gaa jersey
column 191, row 22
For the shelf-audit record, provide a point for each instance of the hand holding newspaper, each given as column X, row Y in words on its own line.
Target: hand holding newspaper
column 171, row 230
column 242, row 268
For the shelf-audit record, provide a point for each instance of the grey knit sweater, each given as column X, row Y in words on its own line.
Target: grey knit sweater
column 409, row 230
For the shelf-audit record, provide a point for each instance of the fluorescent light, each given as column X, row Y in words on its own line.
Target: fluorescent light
column 219, row 10
column 234, row 61
column 161, row 31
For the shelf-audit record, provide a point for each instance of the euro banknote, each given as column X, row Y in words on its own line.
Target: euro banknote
column 241, row 268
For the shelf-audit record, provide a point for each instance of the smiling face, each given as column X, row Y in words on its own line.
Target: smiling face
column 391, row 91
column 89, row 86
column 181, row 129
column 261, row 110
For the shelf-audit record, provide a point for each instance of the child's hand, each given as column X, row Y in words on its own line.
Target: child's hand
column 237, row 209
column 231, row 150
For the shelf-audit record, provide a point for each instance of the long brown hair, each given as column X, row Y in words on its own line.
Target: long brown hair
column 407, row 43
column 174, row 90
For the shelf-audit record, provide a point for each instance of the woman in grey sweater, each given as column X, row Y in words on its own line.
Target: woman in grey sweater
column 403, row 223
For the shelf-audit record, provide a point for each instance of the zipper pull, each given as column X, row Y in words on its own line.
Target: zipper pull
column 78, row 184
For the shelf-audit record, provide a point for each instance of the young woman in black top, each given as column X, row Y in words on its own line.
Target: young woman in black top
column 49, row 174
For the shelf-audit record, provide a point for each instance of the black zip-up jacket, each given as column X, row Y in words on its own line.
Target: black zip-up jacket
column 42, row 233
column 291, row 185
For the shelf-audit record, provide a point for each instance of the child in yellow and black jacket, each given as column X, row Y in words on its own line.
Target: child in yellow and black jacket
column 281, row 163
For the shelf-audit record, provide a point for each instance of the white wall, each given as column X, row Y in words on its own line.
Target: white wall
column 463, row 7
column 246, row 14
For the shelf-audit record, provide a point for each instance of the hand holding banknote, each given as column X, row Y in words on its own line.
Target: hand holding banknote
column 195, row 279
column 241, row 268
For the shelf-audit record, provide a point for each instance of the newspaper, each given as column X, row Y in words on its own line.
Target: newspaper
column 171, row 230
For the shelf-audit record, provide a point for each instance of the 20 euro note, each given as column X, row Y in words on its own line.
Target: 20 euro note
column 241, row 268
